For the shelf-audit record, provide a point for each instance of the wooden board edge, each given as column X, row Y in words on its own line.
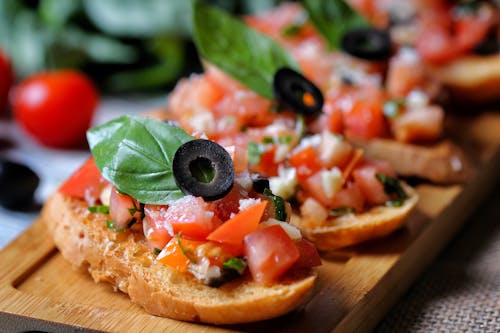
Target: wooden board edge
column 434, row 238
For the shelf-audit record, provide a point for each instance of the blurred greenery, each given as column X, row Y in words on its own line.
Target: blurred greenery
column 124, row 45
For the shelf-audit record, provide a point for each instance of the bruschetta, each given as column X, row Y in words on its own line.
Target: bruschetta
column 168, row 220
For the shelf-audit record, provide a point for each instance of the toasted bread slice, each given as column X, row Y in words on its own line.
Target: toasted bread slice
column 123, row 259
column 441, row 163
column 352, row 229
column 472, row 79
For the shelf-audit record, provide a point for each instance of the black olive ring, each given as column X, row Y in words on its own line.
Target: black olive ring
column 204, row 169
column 17, row 185
column 367, row 43
column 291, row 89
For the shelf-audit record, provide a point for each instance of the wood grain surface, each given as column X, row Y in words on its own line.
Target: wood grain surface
column 39, row 290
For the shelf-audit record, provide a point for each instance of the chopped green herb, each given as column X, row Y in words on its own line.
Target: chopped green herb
column 465, row 8
column 255, row 151
column 394, row 203
column 291, row 29
column 300, row 126
column 391, row 186
column 283, row 139
column 267, row 139
column 156, row 251
column 279, row 205
column 100, row 209
column 184, row 251
column 341, row 211
column 236, row 264
column 110, row 224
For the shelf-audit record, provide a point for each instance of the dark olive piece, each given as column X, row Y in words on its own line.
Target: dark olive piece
column 17, row 185
column 490, row 45
column 204, row 169
column 367, row 43
column 296, row 92
column 259, row 183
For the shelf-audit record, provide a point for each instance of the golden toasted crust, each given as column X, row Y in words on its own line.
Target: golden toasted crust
column 124, row 260
column 356, row 228
column 441, row 163
column 472, row 78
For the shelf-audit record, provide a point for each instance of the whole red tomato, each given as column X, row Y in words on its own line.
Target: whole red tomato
column 56, row 107
column 6, row 79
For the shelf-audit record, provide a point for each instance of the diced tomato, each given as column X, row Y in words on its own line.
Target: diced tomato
column 156, row 229
column 230, row 203
column 246, row 105
column 334, row 151
column 173, row 255
column 239, row 156
column 370, row 186
column 267, row 166
column 404, row 75
column 190, row 215
column 306, row 161
column 365, row 120
column 424, row 124
column 234, row 230
column 156, row 238
column 123, row 209
column 334, row 120
column 309, row 256
column 350, row 196
column 86, row 183
column 270, row 253
column 470, row 30
column 314, row 187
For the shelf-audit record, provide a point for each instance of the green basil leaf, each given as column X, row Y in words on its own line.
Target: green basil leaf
column 135, row 154
column 333, row 18
column 245, row 54
column 99, row 209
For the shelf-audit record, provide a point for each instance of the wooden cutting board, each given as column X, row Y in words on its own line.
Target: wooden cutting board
column 356, row 286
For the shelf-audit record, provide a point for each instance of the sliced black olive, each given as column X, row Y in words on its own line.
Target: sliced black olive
column 17, row 185
column 296, row 92
column 203, row 168
column 260, row 183
column 367, row 43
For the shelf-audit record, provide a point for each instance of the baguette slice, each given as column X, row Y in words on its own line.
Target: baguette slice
column 441, row 163
column 123, row 259
column 471, row 79
column 352, row 229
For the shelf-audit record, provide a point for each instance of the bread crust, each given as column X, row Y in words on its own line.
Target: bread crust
column 352, row 229
column 123, row 259
column 472, row 79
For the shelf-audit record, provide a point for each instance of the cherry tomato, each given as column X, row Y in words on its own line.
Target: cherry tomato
column 6, row 79
column 56, row 107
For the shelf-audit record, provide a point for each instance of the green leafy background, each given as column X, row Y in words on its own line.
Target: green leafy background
column 124, row 45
